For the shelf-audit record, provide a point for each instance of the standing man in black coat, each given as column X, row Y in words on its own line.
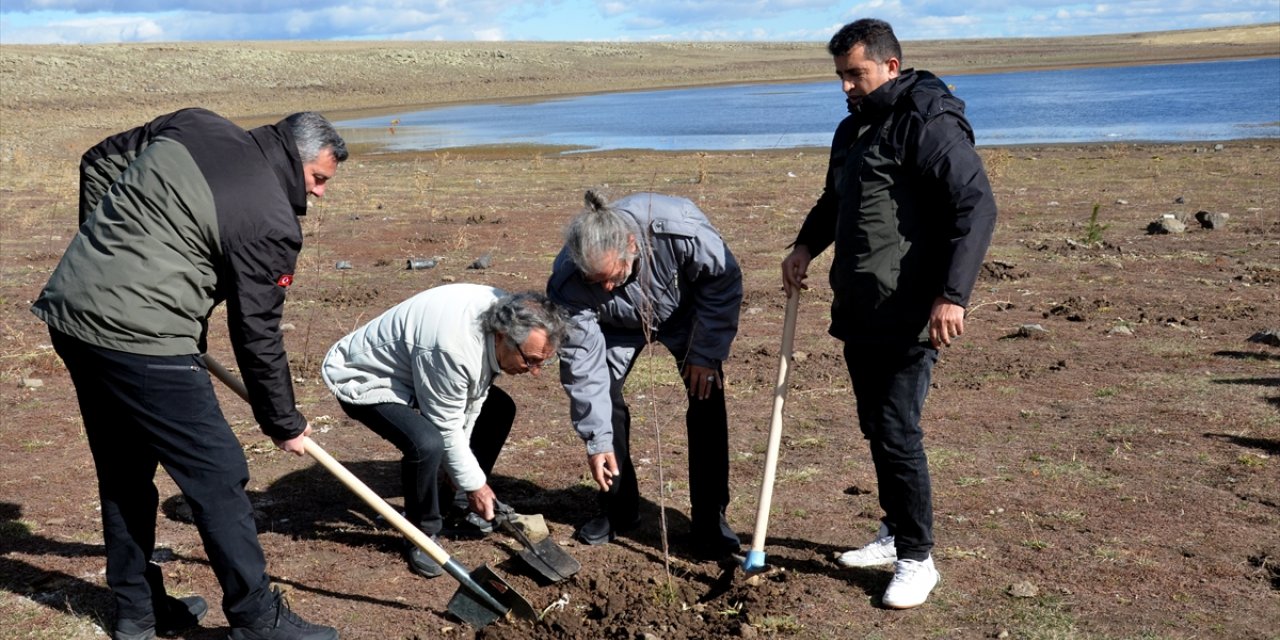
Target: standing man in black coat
column 909, row 209
column 176, row 216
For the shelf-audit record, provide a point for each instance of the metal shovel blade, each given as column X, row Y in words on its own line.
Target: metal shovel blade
column 545, row 557
column 469, row 608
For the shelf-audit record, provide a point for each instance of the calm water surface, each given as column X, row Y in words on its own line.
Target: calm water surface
column 1171, row 103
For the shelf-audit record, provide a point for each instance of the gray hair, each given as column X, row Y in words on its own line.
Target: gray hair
column 596, row 232
column 515, row 315
column 313, row 134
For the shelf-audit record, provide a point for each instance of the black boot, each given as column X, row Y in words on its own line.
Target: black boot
column 602, row 529
column 175, row 615
column 169, row 615
column 421, row 563
column 278, row 622
column 714, row 540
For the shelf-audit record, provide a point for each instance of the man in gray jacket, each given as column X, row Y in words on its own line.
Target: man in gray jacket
column 648, row 267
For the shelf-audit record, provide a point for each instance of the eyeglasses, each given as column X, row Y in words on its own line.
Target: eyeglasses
column 532, row 366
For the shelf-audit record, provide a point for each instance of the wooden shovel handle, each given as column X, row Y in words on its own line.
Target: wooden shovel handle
column 414, row 534
column 775, row 425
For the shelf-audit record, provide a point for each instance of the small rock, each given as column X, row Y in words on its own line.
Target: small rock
column 1003, row 634
column 1024, row 589
column 534, row 526
column 747, row 631
column 1122, row 201
column 287, row 327
column 1166, row 226
column 1270, row 337
column 1031, row 331
column 1179, row 200
column 799, row 356
column 754, row 310
column 414, row 264
column 1121, row 330
column 1218, row 147
column 1212, row 220
column 448, row 279
column 342, row 265
column 482, row 262
column 32, row 383
column 182, row 512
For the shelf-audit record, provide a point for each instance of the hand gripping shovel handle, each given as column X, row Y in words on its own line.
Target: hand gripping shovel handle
column 755, row 557
column 414, row 534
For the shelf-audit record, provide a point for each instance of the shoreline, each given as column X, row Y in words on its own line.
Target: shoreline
column 371, row 112
column 56, row 100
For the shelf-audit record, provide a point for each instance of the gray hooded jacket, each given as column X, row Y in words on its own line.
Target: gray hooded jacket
column 685, row 291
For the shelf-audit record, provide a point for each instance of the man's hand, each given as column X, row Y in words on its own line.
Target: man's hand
column 604, row 468
column 295, row 445
column 795, row 268
column 700, row 380
column 946, row 322
column 481, row 501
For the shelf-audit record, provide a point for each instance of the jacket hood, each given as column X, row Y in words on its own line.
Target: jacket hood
column 277, row 144
column 922, row 86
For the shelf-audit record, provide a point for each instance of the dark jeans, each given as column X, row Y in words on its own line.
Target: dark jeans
column 423, row 448
column 143, row 411
column 890, row 383
column 707, row 425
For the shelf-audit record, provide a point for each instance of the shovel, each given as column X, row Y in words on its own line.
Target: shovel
column 483, row 597
column 755, row 557
column 545, row 557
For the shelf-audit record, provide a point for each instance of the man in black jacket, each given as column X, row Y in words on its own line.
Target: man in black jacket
column 909, row 209
column 177, row 215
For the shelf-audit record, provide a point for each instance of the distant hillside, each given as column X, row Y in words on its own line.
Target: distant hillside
column 56, row 99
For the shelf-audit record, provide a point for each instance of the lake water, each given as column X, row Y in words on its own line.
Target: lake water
column 1169, row 103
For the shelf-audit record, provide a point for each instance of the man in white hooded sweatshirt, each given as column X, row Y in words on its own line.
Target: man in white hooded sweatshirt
column 421, row 376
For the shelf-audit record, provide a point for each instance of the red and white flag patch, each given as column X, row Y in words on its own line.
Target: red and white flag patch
column 285, row 280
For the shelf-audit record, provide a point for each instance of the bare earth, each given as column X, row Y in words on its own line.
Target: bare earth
column 1113, row 476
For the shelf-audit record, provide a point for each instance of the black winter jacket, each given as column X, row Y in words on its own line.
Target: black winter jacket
column 909, row 209
column 177, row 215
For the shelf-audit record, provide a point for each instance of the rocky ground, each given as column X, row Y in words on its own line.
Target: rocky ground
column 1102, row 439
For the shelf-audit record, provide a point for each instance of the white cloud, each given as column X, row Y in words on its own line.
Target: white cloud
column 71, row 21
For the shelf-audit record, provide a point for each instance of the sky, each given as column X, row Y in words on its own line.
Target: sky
column 113, row 21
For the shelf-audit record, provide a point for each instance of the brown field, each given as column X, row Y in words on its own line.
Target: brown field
column 1112, row 477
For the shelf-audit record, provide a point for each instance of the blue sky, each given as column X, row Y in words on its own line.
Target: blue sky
column 94, row 21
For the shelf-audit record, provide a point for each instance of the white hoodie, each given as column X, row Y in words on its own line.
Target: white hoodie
column 428, row 352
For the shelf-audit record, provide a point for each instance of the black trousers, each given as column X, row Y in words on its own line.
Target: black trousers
column 890, row 384
column 143, row 411
column 423, row 448
column 707, row 426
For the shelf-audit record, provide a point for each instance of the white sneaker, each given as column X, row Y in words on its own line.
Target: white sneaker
column 911, row 584
column 880, row 552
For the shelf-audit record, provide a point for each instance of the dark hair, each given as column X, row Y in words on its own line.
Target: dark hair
column 876, row 37
column 515, row 315
column 597, row 231
column 313, row 134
